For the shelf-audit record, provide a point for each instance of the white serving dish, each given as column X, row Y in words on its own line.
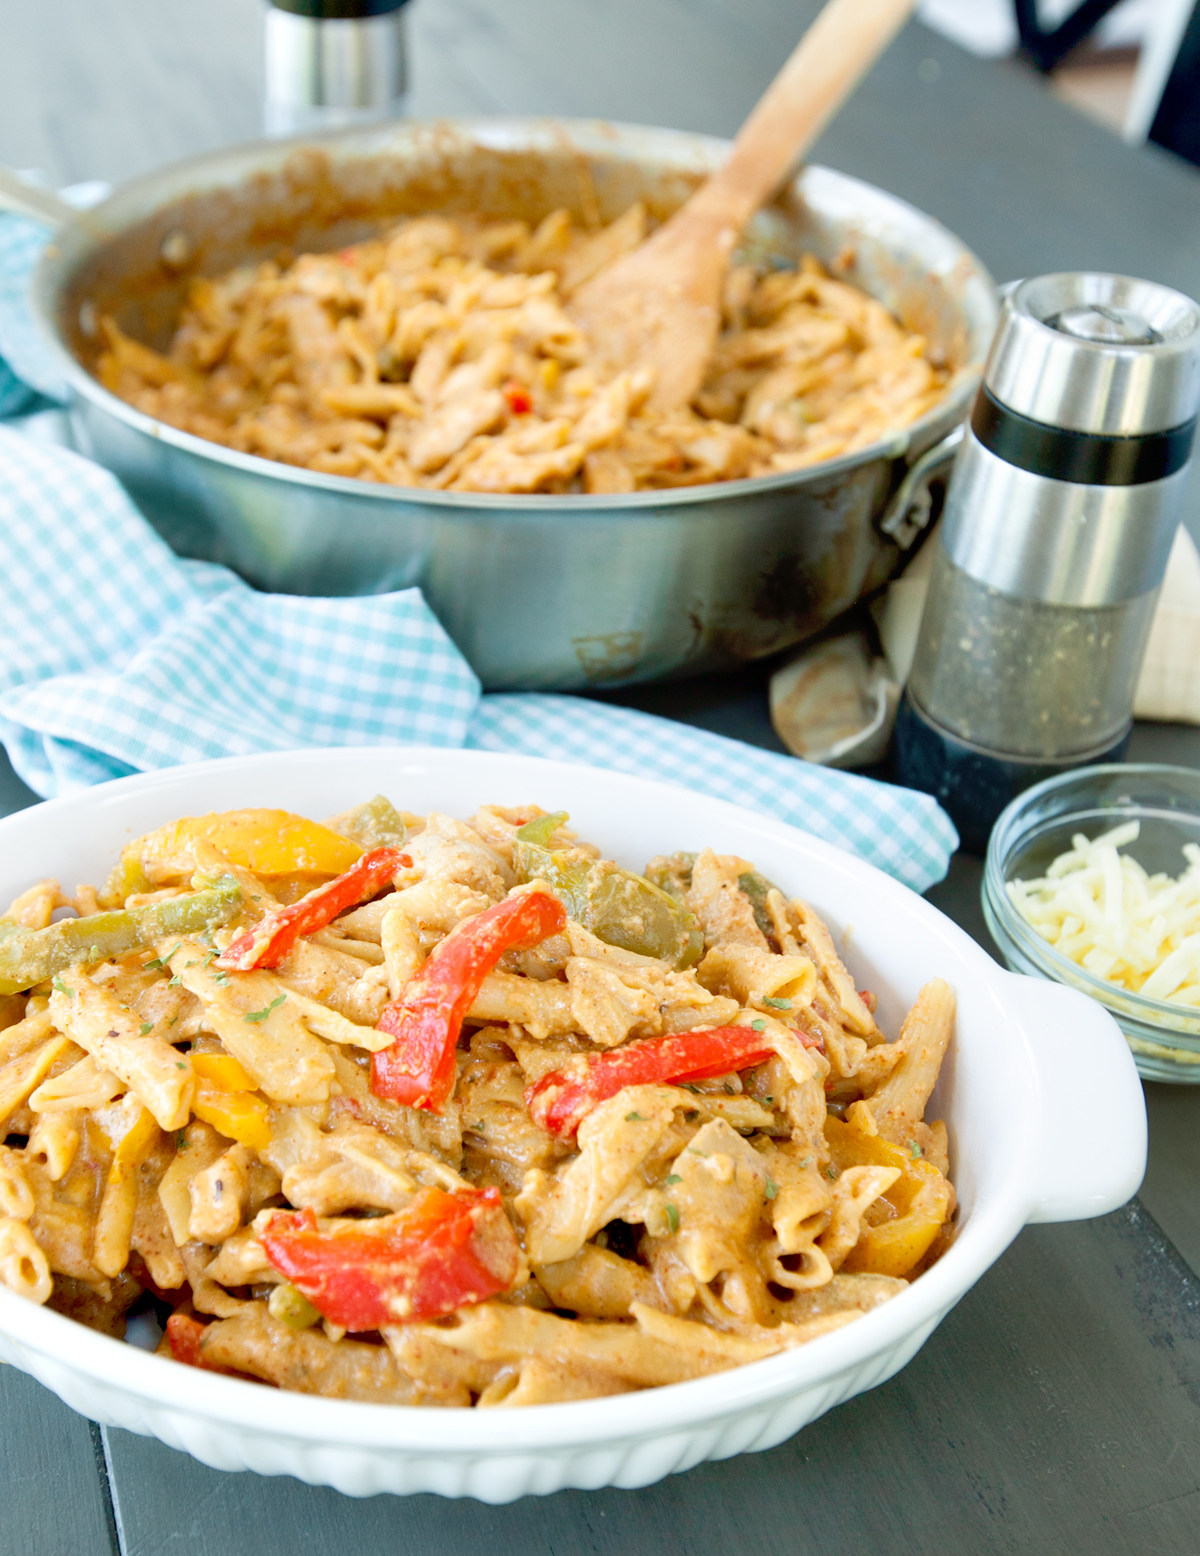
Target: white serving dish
column 1044, row 1106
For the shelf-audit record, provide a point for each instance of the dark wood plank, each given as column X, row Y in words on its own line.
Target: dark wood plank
column 55, row 1493
column 1173, row 1170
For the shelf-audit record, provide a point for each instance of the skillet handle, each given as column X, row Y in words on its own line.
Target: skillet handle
column 22, row 199
column 907, row 514
column 1091, row 1130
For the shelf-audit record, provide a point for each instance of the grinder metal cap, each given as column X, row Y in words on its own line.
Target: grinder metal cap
column 1068, row 485
column 1100, row 354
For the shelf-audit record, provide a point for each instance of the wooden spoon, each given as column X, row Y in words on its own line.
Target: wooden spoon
column 660, row 305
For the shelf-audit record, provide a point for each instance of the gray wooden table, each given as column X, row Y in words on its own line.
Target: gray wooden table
column 1058, row 1408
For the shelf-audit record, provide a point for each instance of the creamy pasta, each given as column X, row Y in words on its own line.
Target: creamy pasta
column 437, row 1112
column 443, row 355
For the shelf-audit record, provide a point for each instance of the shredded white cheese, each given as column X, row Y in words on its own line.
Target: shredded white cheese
column 1098, row 907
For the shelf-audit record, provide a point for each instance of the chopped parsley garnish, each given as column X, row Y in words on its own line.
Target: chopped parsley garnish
column 179, row 1064
column 672, row 1217
column 634, row 1118
column 777, row 1004
column 772, row 1187
column 688, row 1086
column 261, row 1015
column 181, row 1141
column 695, row 1152
column 57, row 983
column 174, row 982
column 831, row 1174
column 221, row 977
column 147, row 1026
column 914, row 1150
column 152, row 966
column 727, row 1087
column 672, row 1177
column 759, row 1026
column 94, row 954
column 770, row 1101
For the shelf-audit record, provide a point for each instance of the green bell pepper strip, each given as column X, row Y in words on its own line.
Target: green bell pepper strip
column 615, row 905
column 673, row 874
column 32, row 955
column 375, row 824
column 756, row 887
column 542, row 828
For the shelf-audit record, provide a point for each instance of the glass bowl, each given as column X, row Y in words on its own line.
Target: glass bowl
column 1038, row 826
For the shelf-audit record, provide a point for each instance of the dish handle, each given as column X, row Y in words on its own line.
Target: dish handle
column 1091, row 1154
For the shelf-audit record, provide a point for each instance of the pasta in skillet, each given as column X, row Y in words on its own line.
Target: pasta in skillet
column 424, row 1111
column 443, row 355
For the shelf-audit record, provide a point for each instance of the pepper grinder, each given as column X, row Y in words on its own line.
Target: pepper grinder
column 331, row 63
column 1059, row 520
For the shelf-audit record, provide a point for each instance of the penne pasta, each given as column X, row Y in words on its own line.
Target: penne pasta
column 159, row 1076
column 442, row 355
column 524, row 1128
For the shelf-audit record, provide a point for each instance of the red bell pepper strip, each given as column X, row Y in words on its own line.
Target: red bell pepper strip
column 561, row 1100
column 184, row 1336
column 418, row 1068
column 520, row 403
column 441, row 1252
column 273, row 937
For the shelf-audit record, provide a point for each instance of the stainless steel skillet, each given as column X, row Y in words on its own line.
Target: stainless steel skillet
column 539, row 592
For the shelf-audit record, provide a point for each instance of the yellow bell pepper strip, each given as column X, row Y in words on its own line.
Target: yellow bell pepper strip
column 224, row 1098
column 616, row 906
column 238, row 1115
column 561, row 1100
column 918, row 1202
column 418, row 1068
column 222, row 1071
column 440, row 1253
column 269, row 842
column 30, row 956
column 273, row 937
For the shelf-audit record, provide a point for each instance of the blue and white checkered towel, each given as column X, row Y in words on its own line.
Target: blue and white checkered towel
column 120, row 657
